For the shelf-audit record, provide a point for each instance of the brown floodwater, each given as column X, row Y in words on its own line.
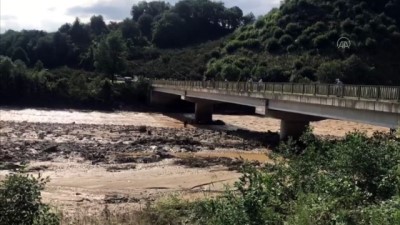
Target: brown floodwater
column 250, row 122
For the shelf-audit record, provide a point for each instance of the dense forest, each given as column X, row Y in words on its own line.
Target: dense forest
column 197, row 39
column 153, row 26
column 72, row 65
column 298, row 43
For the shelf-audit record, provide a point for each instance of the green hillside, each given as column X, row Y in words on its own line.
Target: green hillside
column 298, row 42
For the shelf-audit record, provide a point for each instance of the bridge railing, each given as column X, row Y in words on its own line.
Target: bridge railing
column 384, row 93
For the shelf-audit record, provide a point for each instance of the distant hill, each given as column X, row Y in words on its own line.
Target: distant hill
column 298, row 43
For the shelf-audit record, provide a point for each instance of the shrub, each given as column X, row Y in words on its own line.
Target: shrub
column 348, row 25
column 327, row 72
column 322, row 41
column 273, row 45
column 293, row 29
column 232, row 46
column 251, row 44
column 354, row 180
column 370, row 43
column 357, row 71
column 285, row 40
column 303, row 40
column 291, row 48
column 307, row 72
column 230, row 72
column 259, row 23
column 278, row 32
column 21, row 202
column 298, row 64
column 215, row 54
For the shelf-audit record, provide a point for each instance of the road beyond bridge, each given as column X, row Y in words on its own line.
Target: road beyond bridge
column 294, row 104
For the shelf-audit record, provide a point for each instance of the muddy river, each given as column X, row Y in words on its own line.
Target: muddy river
column 125, row 159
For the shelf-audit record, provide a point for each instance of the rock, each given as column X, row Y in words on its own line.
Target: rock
column 32, row 151
column 51, row 149
column 164, row 154
column 142, row 129
column 10, row 166
column 116, row 198
column 41, row 135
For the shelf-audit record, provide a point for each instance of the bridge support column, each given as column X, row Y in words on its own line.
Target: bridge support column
column 293, row 128
column 203, row 112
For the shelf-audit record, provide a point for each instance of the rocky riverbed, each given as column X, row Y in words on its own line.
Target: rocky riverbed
column 91, row 165
column 107, row 144
column 126, row 159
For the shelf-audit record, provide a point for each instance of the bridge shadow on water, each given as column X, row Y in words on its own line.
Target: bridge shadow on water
column 267, row 139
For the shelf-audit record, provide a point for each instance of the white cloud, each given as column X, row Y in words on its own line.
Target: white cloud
column 49, row 15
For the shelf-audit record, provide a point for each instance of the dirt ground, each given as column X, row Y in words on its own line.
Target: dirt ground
column 125, row 159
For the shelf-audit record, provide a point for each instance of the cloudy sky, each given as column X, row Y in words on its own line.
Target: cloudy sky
column 50, row 14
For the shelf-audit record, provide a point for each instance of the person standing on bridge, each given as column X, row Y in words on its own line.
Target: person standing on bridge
column 339, row 87
column 260, row 82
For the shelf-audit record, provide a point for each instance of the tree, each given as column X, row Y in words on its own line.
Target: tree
column 248, row 19
column 153, row 9
column 145, row 22
column 21, row 201
column 129, row 29
column 230, row 72
column 234, row 17
column 329, row 71
column 169, row 31
column 64, row 50
column 79, row 34
column 44, row 51
column 109, row 55
column 20, row 54
column 97, row 25
column 65, row 28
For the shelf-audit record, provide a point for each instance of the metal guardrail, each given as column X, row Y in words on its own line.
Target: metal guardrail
column 378, row 93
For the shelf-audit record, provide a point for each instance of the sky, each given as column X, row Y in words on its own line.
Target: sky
column 49, row 15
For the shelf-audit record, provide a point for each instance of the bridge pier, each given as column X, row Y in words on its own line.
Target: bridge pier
column 293, row 128
column 203, row 112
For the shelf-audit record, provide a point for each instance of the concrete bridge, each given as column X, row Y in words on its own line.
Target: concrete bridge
column 294, row 104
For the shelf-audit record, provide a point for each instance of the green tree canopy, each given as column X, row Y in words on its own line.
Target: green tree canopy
column 97, row 25
column 110, row 56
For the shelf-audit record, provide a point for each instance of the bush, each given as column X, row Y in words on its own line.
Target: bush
column 348, row 25
column 370, row 43
column 278, row 33
column 293, row 29
column 322, row 41
column 232, row 46
column 354, row 180
column 230, row 72
column 291, row 48
column 251, row 44
column 259, row 23
column 307, row 72
column 327, row 72
column 273, row 45
column 21, row 202
column 285, row 40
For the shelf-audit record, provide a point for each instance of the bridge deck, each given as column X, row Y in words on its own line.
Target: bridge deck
column 364, row 92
